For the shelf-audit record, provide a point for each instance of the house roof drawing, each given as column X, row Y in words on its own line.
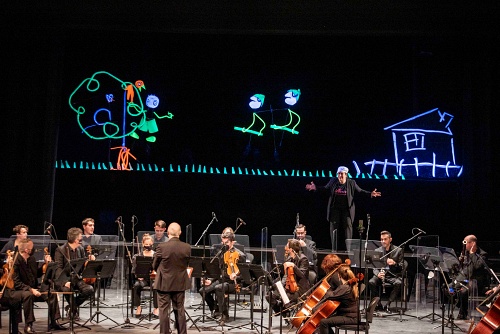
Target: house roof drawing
column 430, row 121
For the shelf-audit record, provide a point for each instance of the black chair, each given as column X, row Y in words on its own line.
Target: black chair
column 364, row 325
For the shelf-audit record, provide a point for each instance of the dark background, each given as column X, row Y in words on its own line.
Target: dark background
column 361, row 66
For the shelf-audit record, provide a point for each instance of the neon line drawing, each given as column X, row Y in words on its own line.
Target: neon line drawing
column 423, row 147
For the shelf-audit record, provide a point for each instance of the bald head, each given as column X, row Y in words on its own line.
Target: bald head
column 174, row 230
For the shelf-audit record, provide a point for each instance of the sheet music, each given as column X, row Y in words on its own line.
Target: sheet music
column 282, row 292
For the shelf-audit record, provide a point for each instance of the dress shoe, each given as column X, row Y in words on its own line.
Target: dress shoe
column 462, row 316
column 387, row 309
column 379, row 307
column 57, row 326
column 28, row 329
column 224, row 319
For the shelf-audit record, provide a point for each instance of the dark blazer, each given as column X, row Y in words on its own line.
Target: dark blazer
column 61, row 255
column 26, row 273
column 399, row 267
column 170, row 262
column 301, row 273
column 351, row 187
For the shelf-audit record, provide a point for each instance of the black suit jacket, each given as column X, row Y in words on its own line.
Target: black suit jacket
column 351, row 187
column 170, row 262
column 26, row 273
column 61, row 256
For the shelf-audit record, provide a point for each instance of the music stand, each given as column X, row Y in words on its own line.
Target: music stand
column 352, row 244
column 99, row 269
column 448, row 263
column 246, row 278
column 260, row 276
column 372, row 259
column 143, row 268
column 429, row 258
column 203, row 268
column 71, row 269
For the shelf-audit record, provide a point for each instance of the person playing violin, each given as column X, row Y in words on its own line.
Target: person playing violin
column 230, row 278
column 344, row 289
column 140, row 283
column 72, row 250
column 15, row 300
column 21, row 232
column 297, row 265
column 25, row 276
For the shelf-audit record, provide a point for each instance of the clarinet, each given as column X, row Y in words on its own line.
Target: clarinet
column 383, row 280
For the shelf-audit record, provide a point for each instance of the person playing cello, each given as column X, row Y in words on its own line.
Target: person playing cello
column 296, row 269
column 344, row 289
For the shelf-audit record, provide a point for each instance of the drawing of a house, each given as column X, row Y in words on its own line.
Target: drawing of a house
column 423, row 147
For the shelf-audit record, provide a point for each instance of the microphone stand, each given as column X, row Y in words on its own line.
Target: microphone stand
column 127, row 324
column 361, row 229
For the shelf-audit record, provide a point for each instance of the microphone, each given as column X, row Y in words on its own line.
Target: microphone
column 48, row 228
column 241, row 221
column 132, row 220
column 298, row 220
column 421, row 231
column 118, row 220
column 368, row 218
column 214, row 218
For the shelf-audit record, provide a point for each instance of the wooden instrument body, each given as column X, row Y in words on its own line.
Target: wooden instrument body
column 89, row 280
column 490, row 321
column 231, row 258
column 291, row 283
column 314, row 298
column 324, row 311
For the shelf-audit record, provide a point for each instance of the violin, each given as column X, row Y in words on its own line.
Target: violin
column 88, row 249
column 6, row 280
column 291, row 283
column 46, row 264
column 231, row 257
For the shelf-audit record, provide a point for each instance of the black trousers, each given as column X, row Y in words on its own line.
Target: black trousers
column 85, row 291
column 52, row 304
column 176, row 299
column 374, row 283
column 16, row 300
column 136, row 293
column 340, row 221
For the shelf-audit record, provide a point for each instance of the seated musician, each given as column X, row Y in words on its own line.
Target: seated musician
column 472, row 266
column 344, row 289
column 25, row 275
column 67, row 280
column 208, row 284
column 15, row 300
column 299, row 264
column 230, row 278
column 140, row 283
column 307, row 245
column 21, row 232
column 392, row 274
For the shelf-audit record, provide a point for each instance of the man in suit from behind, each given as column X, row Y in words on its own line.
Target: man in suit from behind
column 172, row 280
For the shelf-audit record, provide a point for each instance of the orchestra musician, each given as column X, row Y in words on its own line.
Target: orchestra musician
column 140, row 283
column 159, row 237
column 299, row 266
column 344, row 289
column 67, row 280
column 230, row 277
column 21, row 232
column 473, row 266
column 88, row 236
column 394, row 258
column 25, row 276
column 15, row 300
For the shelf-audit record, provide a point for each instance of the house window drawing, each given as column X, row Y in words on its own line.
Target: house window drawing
column 424, row 147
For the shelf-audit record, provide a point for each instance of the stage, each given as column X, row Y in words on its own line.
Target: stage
column 113, row 317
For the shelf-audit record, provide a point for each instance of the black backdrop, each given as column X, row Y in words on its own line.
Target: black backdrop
column 461, row 75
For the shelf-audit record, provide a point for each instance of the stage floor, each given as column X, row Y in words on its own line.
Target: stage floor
column 114, row 314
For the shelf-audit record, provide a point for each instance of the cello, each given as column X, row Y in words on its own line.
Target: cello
column 325, row 310
column 314, row 298
column 490, row 322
